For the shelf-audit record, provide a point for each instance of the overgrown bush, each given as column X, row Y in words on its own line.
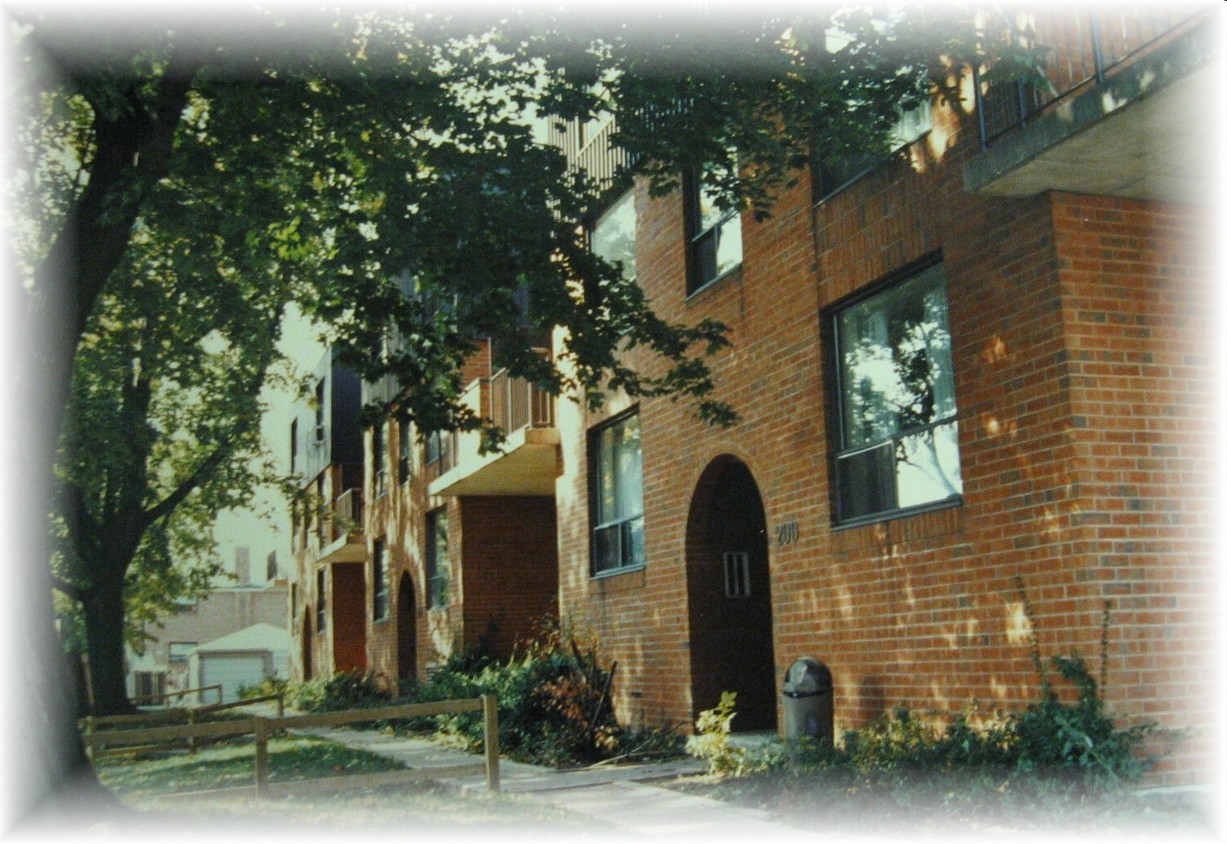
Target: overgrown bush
column 554, row 702
column 343, row 690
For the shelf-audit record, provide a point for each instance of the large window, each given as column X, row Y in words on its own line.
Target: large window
column 438, row 572
column 616, row 470
column 381, row 578
column 715, row 235
column 613, row 235
column 898, row 436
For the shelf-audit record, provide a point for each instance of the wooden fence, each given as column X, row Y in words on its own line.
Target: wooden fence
column 166, row 696
column 99, row 741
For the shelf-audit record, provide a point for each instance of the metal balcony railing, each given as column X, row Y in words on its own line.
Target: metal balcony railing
column 1085, row 47
column 516, row 403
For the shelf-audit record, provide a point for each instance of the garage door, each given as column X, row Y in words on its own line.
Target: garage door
column 231, row 672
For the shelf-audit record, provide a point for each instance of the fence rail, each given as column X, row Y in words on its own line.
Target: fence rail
column 100, row 741
column 166, row 696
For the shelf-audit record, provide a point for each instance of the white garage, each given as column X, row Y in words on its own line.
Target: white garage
column 241, row 659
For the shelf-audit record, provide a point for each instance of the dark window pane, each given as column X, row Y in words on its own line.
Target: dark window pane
column 866, row 482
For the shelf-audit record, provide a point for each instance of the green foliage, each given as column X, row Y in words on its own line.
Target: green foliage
column 343, row 690
column 711, row 739
column 1058, row 755
column 267, row 686
column 554, row 704
column 1078, row 741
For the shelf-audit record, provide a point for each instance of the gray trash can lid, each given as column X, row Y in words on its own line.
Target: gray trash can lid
column 807, row 677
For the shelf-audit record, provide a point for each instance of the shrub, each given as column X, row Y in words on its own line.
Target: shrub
column 1054, row 752
column 554, row 703
column 267, row 686
column 343, row 690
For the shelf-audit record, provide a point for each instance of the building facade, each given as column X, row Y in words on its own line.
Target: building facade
column 327, row 601
column 977, row 413
column 978, row 403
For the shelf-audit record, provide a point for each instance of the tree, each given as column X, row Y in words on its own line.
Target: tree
column 378, row 149
column 162, row 433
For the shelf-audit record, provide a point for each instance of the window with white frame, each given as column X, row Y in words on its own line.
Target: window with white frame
column 438, row 571
column 616, row 472
column 404, row 447
column 714, row 232
column 178, row 653
column 613, row 234
column 897, row 419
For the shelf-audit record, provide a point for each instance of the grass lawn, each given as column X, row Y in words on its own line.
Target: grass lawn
column 153, row 786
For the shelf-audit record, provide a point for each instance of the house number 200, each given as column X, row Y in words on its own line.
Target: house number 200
column 787, row 533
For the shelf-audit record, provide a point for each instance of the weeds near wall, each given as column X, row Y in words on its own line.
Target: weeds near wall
column 1058, row 754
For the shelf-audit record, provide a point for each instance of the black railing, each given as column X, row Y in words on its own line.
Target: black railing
column 1085, row 48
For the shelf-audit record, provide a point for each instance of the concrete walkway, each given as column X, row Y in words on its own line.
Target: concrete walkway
column 620, row 799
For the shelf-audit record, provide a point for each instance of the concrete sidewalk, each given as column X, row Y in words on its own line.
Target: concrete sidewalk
column 620, row 799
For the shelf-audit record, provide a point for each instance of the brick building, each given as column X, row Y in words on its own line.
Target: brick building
column 328, row 592
column 978, row 406
column 461, row 546
column 977, row 403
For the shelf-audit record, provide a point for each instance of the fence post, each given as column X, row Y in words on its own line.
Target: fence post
column 191, row 740
column 261, row 731
column 489, row 706
column 88, row 721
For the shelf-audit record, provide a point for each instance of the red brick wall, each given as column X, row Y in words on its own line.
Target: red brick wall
column 347, row 617
column 502, row 554
column 509, row 569
column 1084, row 389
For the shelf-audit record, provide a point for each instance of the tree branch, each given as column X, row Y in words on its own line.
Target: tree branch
column 191, row 483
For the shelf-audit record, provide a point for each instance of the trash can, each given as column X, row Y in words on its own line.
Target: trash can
column 809, row 701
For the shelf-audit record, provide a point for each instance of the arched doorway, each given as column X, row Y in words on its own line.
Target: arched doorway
column 406, row 630
column 729, row 589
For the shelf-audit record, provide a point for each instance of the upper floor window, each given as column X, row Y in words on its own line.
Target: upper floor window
column 381, row 578
column 715, row 235
column 613, row 234
column 439, row 447
column 898, row 433
column 320, row 410
column 910, row 127
column 438, row 571
column 616, row 472
column 404, row 449
column 180, row 652
column 379, row 458
column 321, row 599
column 294, row 447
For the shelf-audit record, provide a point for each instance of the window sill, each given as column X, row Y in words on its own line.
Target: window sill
column 604, row 575
column 715, row 282
column 899, row 526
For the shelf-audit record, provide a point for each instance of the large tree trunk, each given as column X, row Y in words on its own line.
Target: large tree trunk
column 103, row 606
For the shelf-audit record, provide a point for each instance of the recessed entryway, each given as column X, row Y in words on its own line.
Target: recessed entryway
column 729, row 592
